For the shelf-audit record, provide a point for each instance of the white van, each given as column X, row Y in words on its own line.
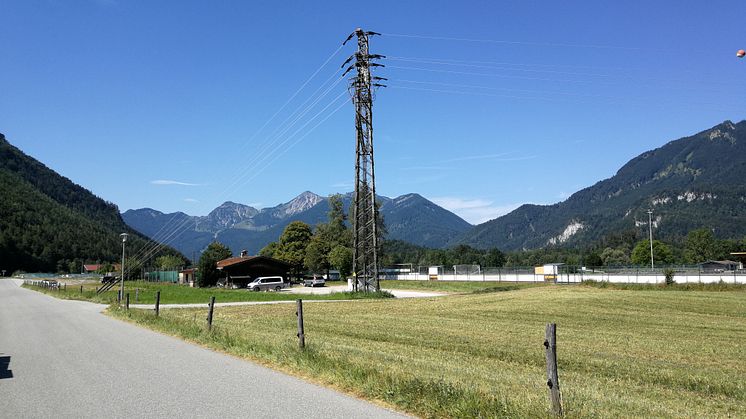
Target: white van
column 264, row 283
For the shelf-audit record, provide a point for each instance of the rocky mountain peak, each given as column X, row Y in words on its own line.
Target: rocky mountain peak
column 300, row 203
column 229, row 214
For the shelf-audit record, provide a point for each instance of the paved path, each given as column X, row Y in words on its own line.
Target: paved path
column 61, row 358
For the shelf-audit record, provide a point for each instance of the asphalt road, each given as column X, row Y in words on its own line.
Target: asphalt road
column 63, row 358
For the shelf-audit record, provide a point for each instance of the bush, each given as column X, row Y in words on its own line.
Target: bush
column 669, row 274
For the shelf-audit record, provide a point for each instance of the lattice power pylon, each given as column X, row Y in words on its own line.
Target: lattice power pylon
column 364, row 210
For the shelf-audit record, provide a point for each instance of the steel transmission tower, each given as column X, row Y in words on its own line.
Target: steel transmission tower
column 364, row 210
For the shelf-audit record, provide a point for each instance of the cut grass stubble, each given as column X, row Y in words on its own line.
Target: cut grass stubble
column 621, row 353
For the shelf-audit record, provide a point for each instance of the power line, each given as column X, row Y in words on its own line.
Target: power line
column 167, row 231
column 511, row 42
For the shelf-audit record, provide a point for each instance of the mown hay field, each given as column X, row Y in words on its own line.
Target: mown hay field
column 621, row 353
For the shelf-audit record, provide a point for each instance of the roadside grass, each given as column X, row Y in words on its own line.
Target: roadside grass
column 180, row 294
column 458, row 286
column 620, row 353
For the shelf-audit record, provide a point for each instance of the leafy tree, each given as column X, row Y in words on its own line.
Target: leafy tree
column 327, row 236
column 661, row 253
column 593, row 259
column 341, row 259
column 611, row 257
column 269, row 250
column 494, row 258
column 337, row 219
column 317, row 253
column 700, row 246
column 168, row 262
column 208, row 269
column 292, row 246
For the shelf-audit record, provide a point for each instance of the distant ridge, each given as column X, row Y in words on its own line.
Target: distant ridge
column 409, row 218
column 692, row 182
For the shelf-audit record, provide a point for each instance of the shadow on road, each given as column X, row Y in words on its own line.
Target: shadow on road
column 4, row 371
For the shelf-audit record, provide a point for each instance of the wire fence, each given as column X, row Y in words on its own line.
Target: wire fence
column 570, row 274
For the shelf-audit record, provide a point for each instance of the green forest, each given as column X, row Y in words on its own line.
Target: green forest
column 50, row 224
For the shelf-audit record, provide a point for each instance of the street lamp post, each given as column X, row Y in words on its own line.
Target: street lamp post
column 121, row 284
column 650, row 229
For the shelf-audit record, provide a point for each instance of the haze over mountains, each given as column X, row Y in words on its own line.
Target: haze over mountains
column 410, row 218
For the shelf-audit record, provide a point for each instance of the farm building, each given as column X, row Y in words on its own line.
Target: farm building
column 241, row 270
column 718, row 266
column 93, row 268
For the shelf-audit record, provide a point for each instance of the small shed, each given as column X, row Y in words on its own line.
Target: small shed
column 186, row 276
column 550, row 271
column 243, row 269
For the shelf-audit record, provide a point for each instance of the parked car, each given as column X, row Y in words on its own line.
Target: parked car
column 313, row 282
column 265, row 283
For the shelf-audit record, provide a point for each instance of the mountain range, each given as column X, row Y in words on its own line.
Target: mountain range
column 693, row 182
column 689, row 183
column 410, row 218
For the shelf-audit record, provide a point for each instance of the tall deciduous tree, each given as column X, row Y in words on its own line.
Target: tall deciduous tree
column 341, row 258
column 701, row 246
column 662, row 253
column 328, row 236
column 292, row 246
column 208, row 269
column 169, row 262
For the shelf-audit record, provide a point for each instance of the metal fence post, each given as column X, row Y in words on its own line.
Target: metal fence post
column 127, row 301
column 550, row 343
column 157, row 302
column 301, row 333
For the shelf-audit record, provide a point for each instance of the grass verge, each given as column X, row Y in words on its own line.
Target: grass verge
column 620, row 354
column 179, row 294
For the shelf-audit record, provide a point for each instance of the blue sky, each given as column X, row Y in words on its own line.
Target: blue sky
column 181, row 105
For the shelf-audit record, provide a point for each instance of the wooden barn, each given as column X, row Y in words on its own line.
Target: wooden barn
column 243, row 269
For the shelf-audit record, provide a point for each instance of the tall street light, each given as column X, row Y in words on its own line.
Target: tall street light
column 121, row 285
column 650, row 229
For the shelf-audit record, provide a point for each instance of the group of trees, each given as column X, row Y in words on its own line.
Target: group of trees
column 624, row 249
column 327, row 246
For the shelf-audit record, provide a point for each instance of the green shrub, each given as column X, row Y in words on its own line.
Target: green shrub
column 669, row 274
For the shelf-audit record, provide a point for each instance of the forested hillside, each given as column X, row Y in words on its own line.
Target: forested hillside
column 50, row 224
column 690, row 183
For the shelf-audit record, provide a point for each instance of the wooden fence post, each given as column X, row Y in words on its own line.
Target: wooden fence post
column 550, row 343
column 301, row 333
column 209, row 313
column 81, row 289
column 157, row 302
